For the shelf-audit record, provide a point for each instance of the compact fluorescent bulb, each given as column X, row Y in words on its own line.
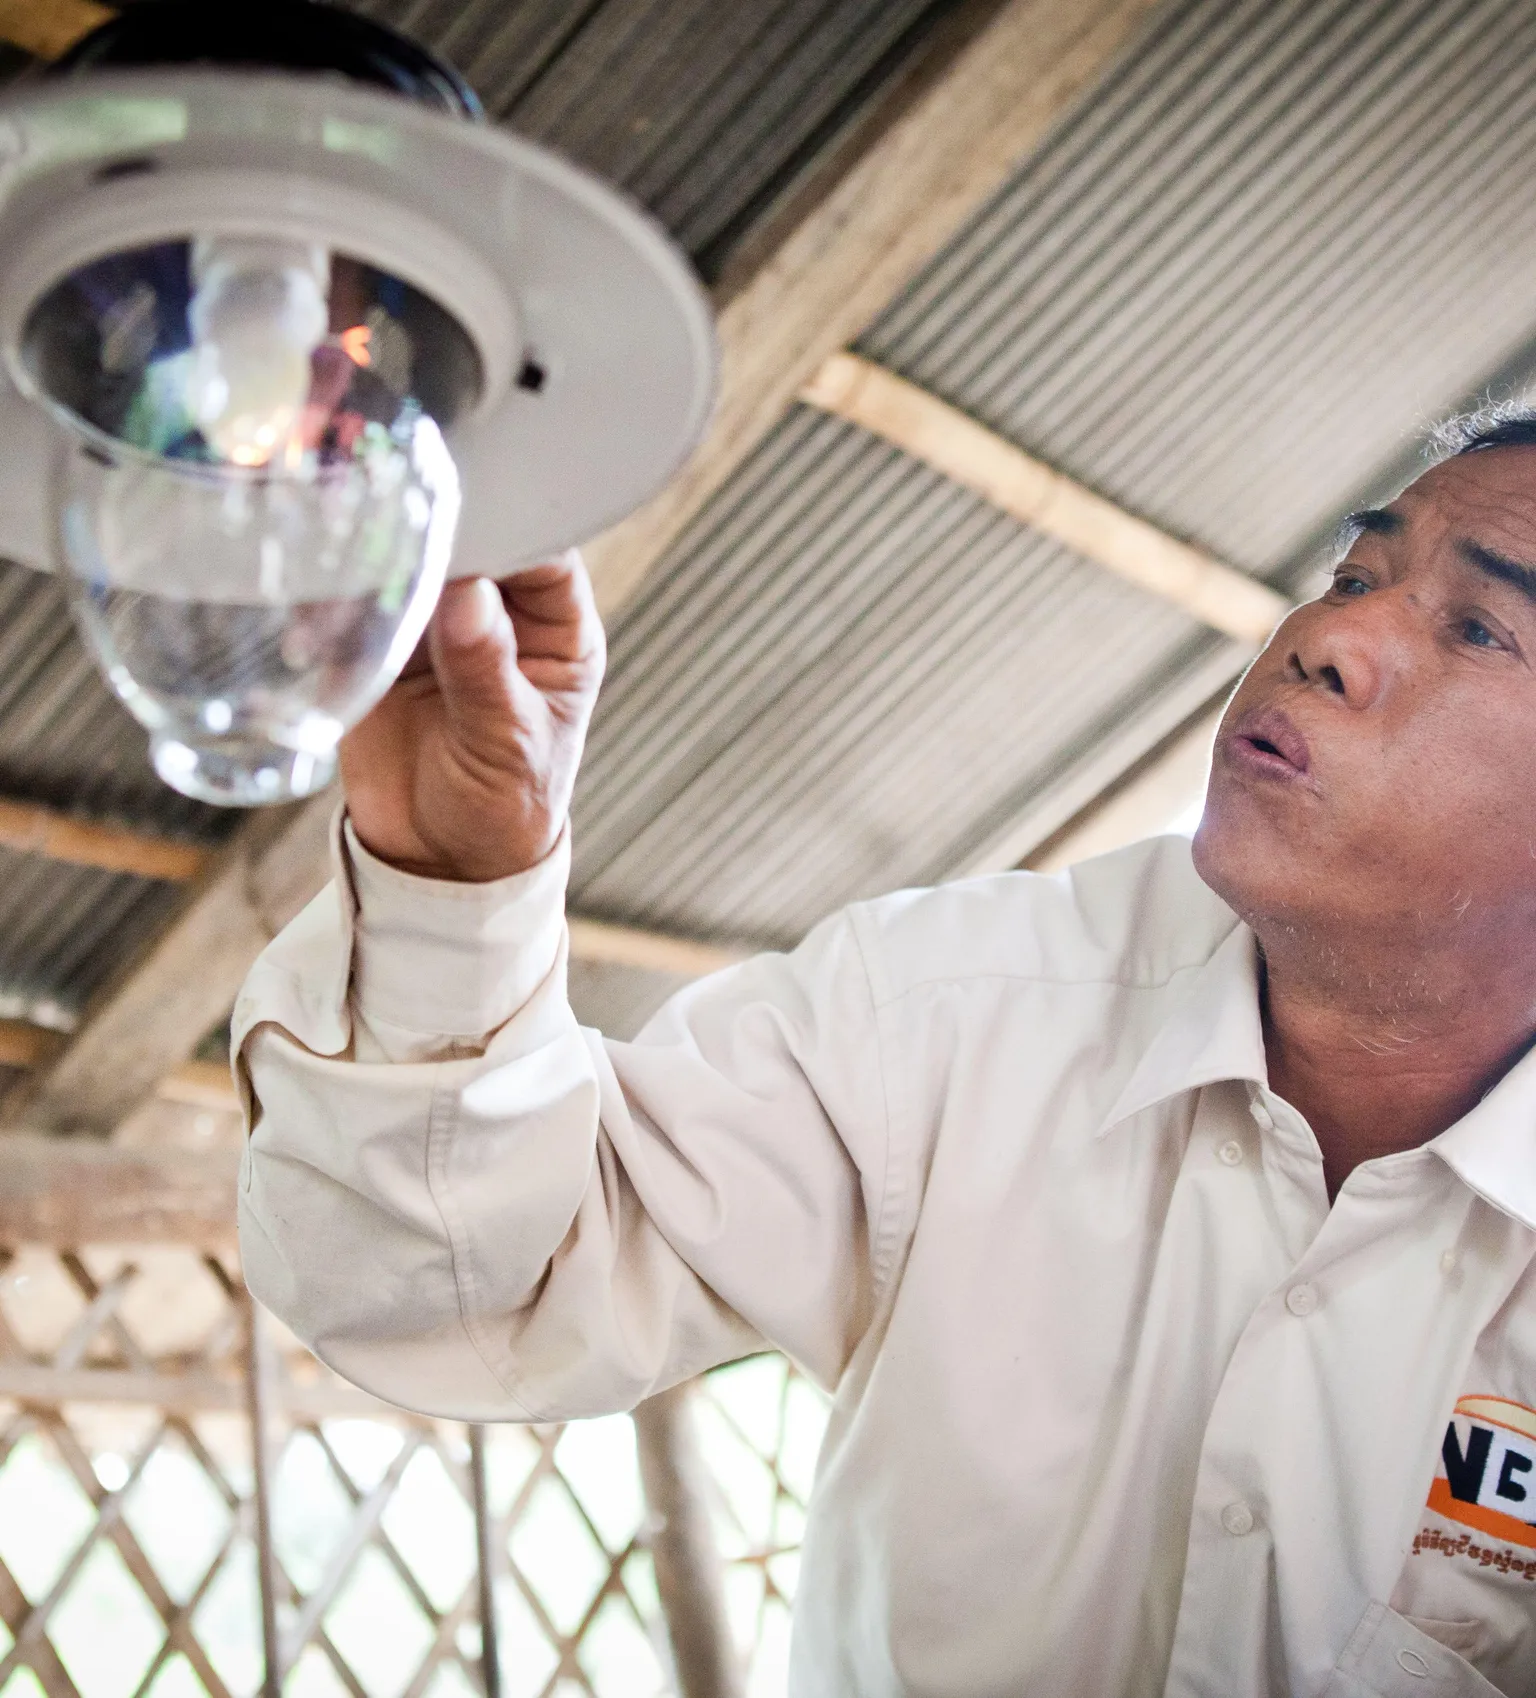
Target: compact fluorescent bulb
column 257, row 315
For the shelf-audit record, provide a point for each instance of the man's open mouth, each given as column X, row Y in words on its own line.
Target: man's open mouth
column 1269, row 741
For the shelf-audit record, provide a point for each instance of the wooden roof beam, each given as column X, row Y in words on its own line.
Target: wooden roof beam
column 657, row 952
column 198, row 1084
column 1048, row 501
column 28, row 828
column 66, row 1193
column 1144, row 790
column 147, row 1021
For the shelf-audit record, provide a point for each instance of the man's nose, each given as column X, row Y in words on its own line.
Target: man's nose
column 1351, row 652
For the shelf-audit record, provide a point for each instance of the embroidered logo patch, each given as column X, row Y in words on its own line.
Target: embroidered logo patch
column 1489, row 1483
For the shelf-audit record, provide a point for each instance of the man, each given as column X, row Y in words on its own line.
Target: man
column 1165, row 1230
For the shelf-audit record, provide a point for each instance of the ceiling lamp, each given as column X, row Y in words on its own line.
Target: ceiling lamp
column 287, row 332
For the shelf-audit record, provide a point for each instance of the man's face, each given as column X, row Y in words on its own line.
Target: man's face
column 1377, row 766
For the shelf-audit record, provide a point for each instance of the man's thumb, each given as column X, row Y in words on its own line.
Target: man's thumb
column 474, row 655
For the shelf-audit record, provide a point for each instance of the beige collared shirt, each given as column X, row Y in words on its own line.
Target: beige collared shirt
column 1122, row 1406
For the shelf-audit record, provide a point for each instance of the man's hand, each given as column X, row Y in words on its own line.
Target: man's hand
column 465, row 769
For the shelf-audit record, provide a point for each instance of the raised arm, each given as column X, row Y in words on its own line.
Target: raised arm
column 466, row 1203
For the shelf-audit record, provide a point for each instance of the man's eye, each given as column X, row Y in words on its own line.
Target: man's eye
column 1350, row 583
column 1478, row 634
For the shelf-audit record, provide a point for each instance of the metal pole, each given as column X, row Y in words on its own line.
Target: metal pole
column 689, row 1574
column 485, row 1550
column 258, row 1397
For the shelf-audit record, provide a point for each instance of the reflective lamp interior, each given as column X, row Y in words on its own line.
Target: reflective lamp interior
column 253, row 501
column 243, row 352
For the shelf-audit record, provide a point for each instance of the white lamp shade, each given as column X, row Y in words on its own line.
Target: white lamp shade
column 595, row 343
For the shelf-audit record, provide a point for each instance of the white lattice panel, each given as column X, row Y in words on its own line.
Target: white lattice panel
column 129, row 1563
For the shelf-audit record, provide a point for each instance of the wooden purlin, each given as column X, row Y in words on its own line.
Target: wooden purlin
column 30, row 828
column 221, row 930
column 941, row 436
column 657, row 952
column 68, row 1191
column 27, row 828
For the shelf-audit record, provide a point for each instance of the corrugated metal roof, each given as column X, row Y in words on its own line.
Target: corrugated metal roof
column 1227, row 291
column 62, row 931
column 701, row 110
column 1286, row 235
column 1229, row 288
column 844, row 671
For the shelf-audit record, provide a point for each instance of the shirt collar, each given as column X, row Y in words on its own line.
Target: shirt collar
column 1211, row 1031
column 1492, row 1149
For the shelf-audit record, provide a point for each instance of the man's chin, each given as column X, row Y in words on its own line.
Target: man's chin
column 1246, row 860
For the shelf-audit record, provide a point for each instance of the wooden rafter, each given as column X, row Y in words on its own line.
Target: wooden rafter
column 936, row 151
column 137, row 1036
column 146, row 1023
column 25, row 1045
column 1038, row 495
column 628, row 946
column 68, row 1192
column 198, row 1084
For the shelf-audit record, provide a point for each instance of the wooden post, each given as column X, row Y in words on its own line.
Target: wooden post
column 485, row 1551
column 258, row 1386
column 689, row 1575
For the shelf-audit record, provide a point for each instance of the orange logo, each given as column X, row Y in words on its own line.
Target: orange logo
column 1489, row 1483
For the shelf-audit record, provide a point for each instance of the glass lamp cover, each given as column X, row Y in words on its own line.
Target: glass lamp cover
column 253, row 502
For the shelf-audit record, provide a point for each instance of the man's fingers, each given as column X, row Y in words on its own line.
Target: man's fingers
column 474, row 655
column 554, row 611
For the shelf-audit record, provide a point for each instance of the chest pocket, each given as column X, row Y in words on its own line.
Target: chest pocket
column 1388, row 1657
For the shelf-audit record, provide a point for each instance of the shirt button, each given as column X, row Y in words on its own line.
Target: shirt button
column 1449, row 1261
column 1263, row 1119
column 1301, row 1299
column 1231, row 1153
column 1237, row 1518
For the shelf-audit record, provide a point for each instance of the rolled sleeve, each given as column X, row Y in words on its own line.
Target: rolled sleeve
column 440, row 965
column 467, row 1204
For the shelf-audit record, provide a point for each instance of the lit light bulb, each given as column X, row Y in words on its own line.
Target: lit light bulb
column 257, row 315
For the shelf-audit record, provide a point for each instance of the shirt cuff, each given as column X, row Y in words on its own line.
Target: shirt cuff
column 452, row 960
